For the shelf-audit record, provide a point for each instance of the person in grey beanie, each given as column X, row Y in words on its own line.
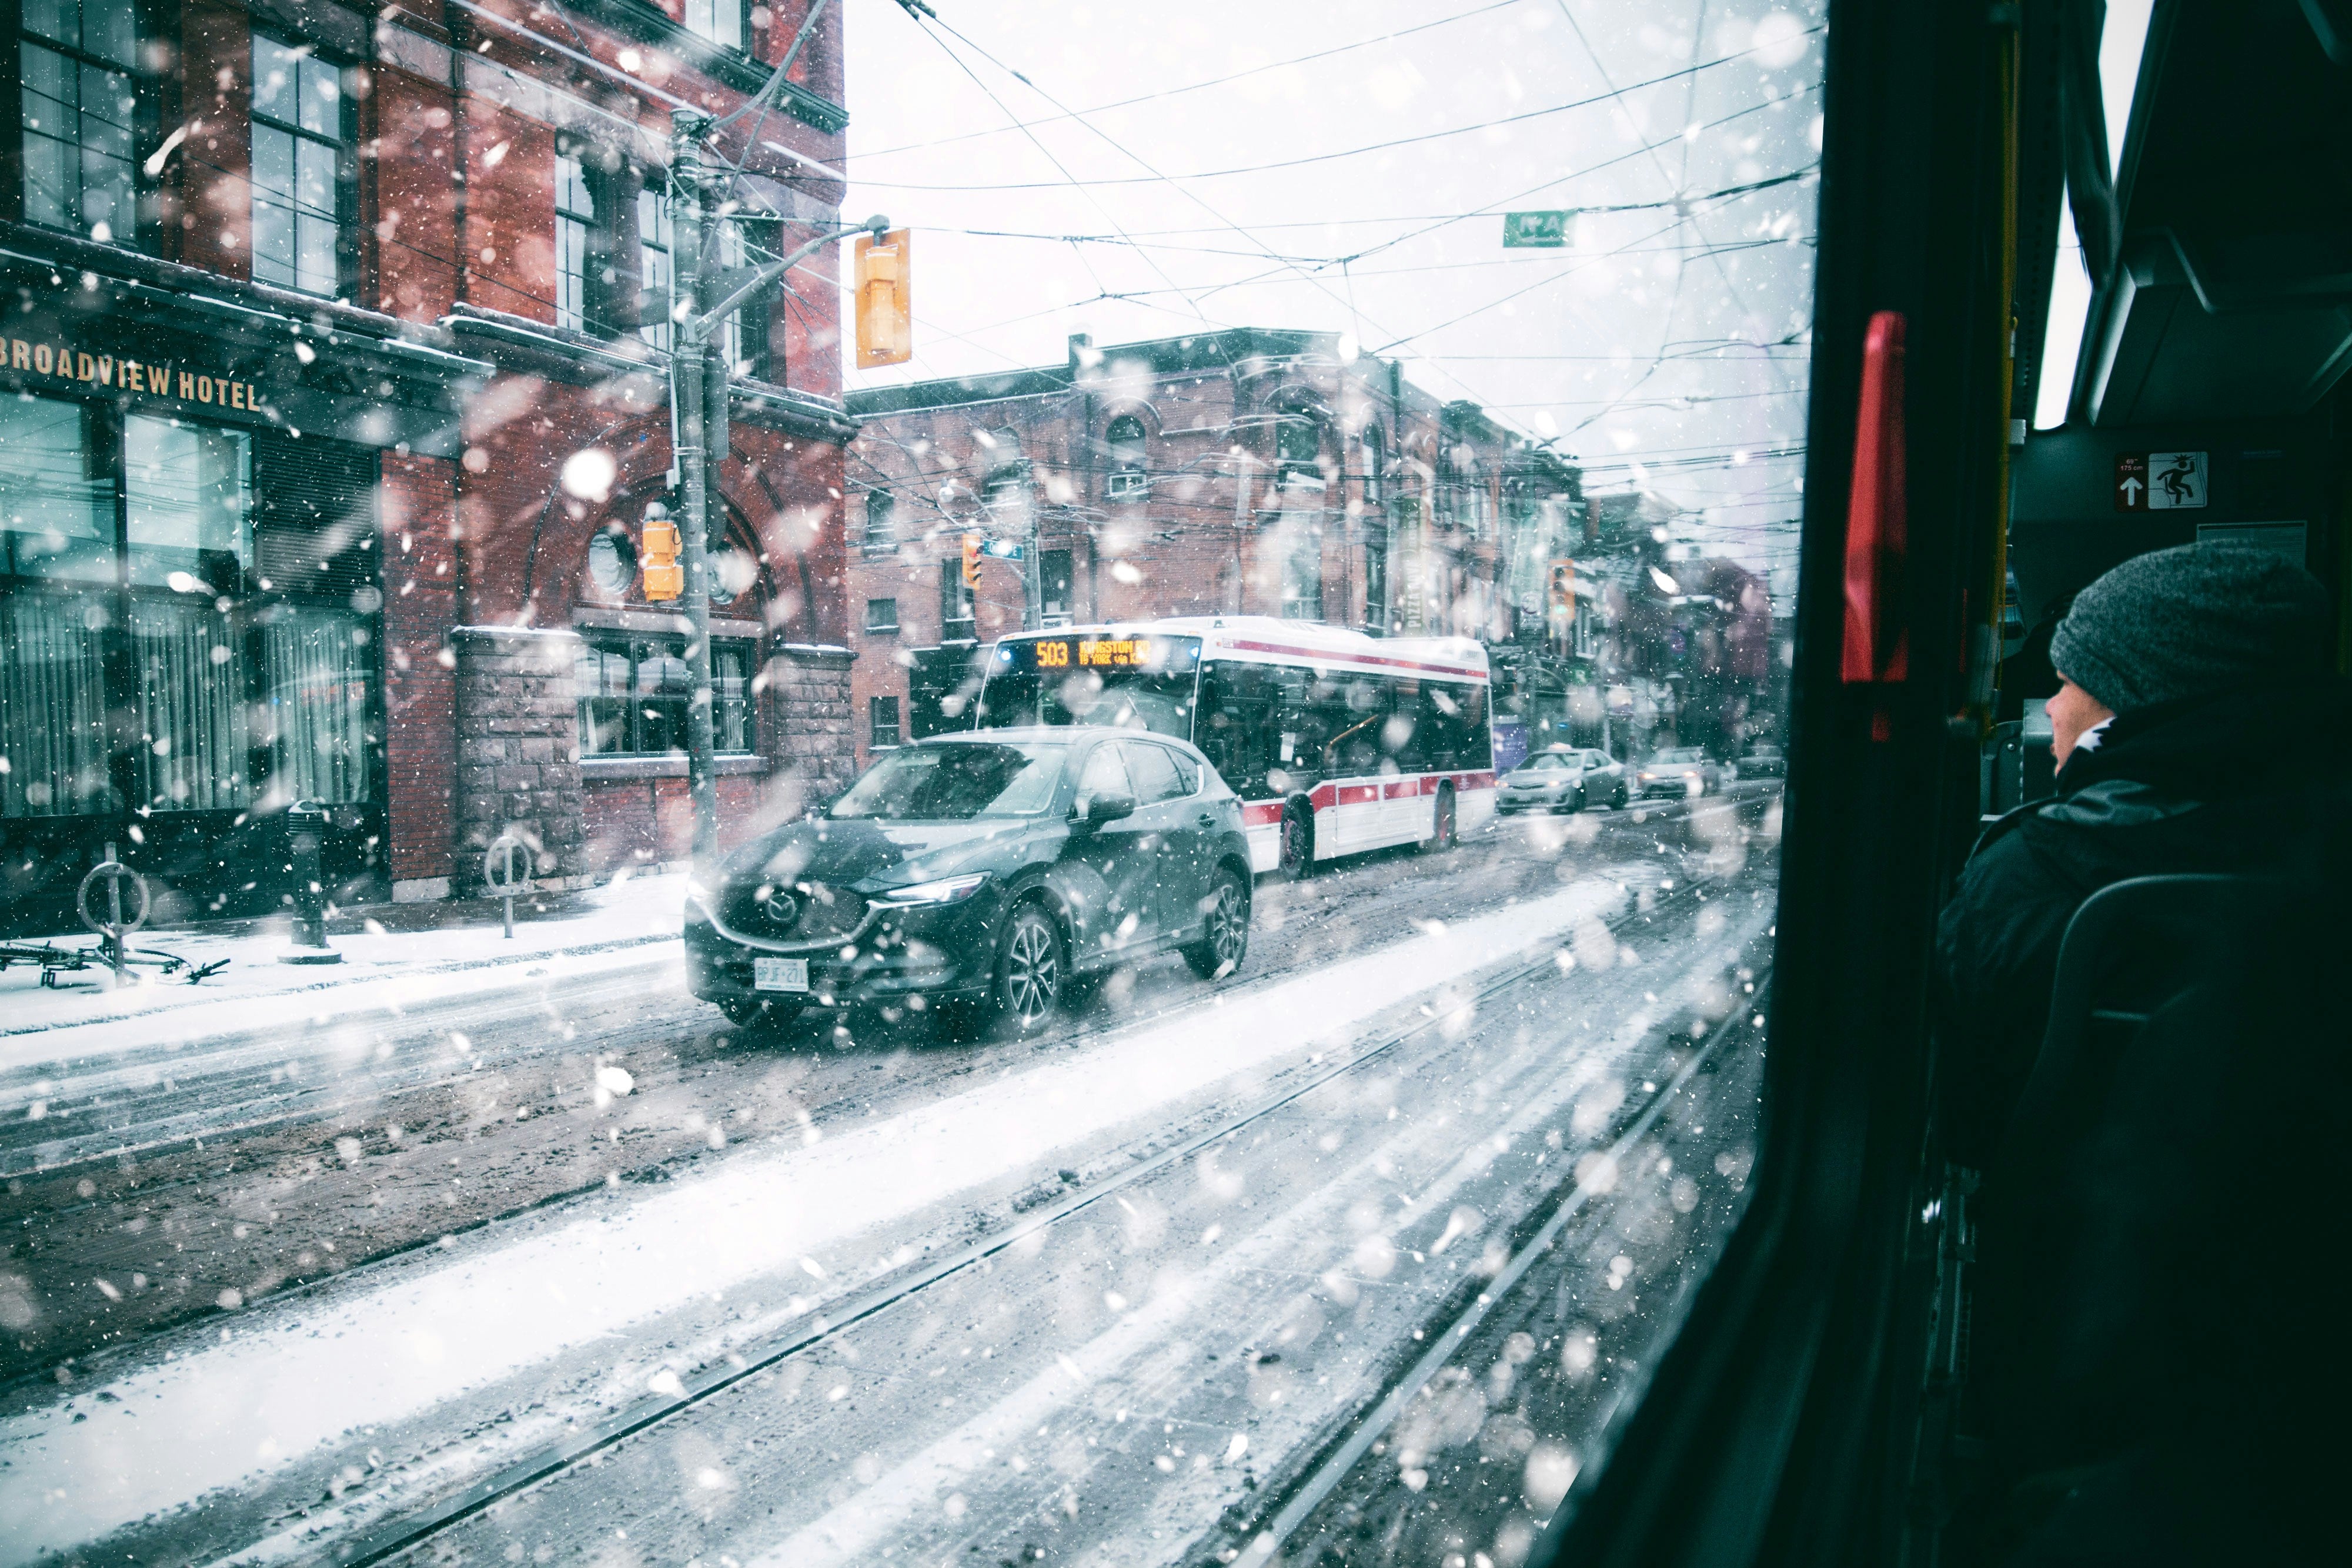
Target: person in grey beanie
column 2198, row 727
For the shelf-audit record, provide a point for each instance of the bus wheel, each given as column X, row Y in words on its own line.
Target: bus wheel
column 1297, row 852
column 1443, row 836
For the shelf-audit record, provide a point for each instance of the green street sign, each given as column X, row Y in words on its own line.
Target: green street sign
column 1545, row 230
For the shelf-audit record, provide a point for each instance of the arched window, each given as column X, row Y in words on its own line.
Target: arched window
column 1129, row 479
column 1298, row 447
column 881, row 521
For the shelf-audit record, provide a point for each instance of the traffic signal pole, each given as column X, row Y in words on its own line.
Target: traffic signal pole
column 689, row 400
column 703, row 296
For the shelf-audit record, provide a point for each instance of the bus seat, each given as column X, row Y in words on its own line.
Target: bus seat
column 2146, row 1230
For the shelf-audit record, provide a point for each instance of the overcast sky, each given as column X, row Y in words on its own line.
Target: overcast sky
column 1287, row 163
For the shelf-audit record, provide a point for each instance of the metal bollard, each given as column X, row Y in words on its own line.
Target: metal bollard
column 305, row 825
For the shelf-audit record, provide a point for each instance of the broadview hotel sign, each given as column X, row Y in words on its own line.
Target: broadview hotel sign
column 168, row 379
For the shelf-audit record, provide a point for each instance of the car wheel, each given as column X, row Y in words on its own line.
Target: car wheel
column 1297, row 856
column 1031, row 970
column 1442, row 835
column 1226, row 940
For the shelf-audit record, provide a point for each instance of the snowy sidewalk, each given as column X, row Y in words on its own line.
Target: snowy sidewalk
column 631, row 919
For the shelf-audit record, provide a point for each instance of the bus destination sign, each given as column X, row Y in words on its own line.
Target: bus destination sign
column 1095, row 653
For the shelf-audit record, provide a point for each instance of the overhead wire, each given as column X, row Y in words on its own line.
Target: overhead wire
column 1244, row 75
column 1307, row 159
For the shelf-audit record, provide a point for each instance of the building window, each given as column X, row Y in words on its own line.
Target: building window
column 882, row 730
column 955, row 601
column 1129, row 479
column 575, row 236
column 634, row 690
column 1297, row 450
column 1375, row 464
column 246, row 684
column 298, row 155
column 77, row 105
column 1302, row 572
column 1376, row 586
column 654, row 262
column 720, row 21
column 881, row 522
column 882, row 616
column 1054, row 584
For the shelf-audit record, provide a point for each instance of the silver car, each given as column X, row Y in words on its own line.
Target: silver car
column 1562, row 779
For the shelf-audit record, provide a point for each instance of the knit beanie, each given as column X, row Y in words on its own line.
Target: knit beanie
column 2189, row 620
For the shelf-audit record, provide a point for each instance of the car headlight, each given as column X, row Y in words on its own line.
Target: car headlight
column 701, row 893
column 1648, row 777
column 947, row 890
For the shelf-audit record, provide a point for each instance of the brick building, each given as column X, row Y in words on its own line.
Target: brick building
column 1238, row 472
column 333, row 424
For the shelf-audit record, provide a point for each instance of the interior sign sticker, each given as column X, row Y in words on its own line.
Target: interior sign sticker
column 2160, row 481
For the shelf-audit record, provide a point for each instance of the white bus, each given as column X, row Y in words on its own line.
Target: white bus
column 1337, row 743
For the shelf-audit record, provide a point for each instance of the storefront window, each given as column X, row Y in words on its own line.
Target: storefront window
column 52, row 709
column 315, row 665
column 188, row 491
column 243, row 697
column 634, row 690
column 192, row 714
column 57, row 498
column 76, row 107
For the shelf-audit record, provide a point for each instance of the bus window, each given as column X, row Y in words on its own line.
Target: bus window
column 1237, row 729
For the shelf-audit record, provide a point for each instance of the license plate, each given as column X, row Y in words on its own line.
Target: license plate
column 780, row 973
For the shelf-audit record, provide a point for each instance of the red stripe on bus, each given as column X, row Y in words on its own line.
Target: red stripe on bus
column 1323, row 657
column 1261, row 813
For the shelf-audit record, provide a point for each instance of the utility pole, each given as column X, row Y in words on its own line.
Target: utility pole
column 689, row 401
column 703, row 295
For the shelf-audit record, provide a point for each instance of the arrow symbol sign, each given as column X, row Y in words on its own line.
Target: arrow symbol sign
column 2132, row 487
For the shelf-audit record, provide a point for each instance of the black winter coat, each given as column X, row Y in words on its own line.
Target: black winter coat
column 2244, row 783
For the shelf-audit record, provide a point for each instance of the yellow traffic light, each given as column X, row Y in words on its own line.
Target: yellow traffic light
column 971, row 560
column 885, row 316
column 658, row 547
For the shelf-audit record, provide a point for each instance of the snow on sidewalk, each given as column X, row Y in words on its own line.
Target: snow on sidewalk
column 81, row 1016
column 295, row 1379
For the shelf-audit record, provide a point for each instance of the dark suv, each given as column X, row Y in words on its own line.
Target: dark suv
column 980, row 872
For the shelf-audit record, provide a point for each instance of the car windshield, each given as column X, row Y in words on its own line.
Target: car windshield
column 1681, row 757
column 1548, row 762
column 955, row 783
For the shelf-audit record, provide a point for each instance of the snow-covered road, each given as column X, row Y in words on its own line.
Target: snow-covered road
column 548, row 1319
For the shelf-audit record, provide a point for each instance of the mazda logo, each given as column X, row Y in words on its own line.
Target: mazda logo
column 783, row 910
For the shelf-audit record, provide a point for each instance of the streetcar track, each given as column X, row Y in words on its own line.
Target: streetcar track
column 408, row 1529
column 1283, row 1508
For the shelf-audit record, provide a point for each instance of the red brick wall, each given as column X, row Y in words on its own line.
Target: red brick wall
column 416, row 507
column 213, row 166
column 511, row 223
column 408, row 211
column 635, row 822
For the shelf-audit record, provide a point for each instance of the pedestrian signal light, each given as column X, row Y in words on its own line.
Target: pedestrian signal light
column 971, row 560
column 886, row 318
column 658, row 547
